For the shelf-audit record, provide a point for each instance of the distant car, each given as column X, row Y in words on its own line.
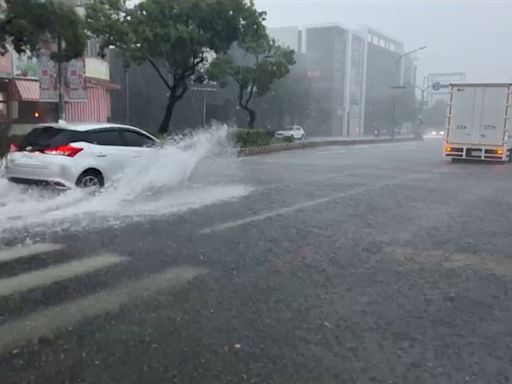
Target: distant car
column 294, row 131
column 83, row 155
column 437, row 133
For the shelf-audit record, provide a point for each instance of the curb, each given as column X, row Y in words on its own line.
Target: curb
column 264, row 149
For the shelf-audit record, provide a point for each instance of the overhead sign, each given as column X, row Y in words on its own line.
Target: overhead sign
column 48, row 84
column 436, row 86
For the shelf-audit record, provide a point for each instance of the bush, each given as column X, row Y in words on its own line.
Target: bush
column 289, row 139
column 251, row 137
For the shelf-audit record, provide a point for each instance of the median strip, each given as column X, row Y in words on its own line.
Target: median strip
column 278, row 147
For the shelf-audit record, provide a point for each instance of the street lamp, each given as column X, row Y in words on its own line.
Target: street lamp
column 398, row 72
column 422, row 105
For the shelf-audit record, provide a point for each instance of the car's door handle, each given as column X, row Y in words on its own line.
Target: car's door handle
column 101, row 155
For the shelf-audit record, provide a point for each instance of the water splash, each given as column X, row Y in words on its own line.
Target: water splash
column 158, row 183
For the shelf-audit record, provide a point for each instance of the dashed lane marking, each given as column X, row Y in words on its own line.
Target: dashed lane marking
column 47, row 276
column 329, row 152
column 10, row 254
column 299, row 206
column 51, row 321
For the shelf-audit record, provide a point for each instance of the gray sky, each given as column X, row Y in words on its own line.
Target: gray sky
column 462, row 36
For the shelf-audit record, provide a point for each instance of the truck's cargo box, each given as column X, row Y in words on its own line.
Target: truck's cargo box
column 478, row 122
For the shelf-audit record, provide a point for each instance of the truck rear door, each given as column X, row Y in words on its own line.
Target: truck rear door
column 491, row 123
column 462, row 115
column 478, row 115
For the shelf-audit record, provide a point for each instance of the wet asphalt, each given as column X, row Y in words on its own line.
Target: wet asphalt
column 364, row 264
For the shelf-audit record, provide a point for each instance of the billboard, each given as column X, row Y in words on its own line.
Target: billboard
column 48, row 84
column 75, row 79
column 6, row 64
column 24, row 65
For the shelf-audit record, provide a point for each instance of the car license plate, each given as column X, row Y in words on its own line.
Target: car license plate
column 28, row 155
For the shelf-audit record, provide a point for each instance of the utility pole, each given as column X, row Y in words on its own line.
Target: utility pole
column 127, row 98
column 398, row 72
column 60, row 79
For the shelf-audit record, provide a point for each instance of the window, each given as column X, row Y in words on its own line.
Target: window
column 106, row 137
column 135, row 139
column 46, row 137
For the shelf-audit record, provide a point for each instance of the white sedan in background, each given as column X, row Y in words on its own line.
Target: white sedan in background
column 294, row 131
column 83, row 155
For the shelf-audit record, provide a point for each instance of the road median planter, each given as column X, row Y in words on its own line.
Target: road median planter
column 278, row 147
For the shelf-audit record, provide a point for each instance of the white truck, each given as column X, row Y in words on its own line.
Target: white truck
column 478, row 122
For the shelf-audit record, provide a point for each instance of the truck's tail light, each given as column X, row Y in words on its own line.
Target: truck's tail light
column 448, row 149
column 63, row 150
column 499, row 151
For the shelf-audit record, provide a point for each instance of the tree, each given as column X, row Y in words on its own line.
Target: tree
column 177, row 37
column 26, row 24
column 254, row 66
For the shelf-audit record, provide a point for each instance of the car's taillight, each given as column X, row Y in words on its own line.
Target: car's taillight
column 63, row 150
column 13, row 148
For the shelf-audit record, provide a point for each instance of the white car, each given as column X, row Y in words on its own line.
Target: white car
column 437, row 133
column 83, row 155
column 295, row 131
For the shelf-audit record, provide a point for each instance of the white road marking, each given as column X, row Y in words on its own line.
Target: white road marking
column 10, row 254
column 49, row 322
column 47, row 276
column 297, row 207
column 327, row 152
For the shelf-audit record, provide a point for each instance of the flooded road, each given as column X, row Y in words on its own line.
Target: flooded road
column 369, row 264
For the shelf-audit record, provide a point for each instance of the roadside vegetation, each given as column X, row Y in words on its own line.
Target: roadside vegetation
column 181, row 39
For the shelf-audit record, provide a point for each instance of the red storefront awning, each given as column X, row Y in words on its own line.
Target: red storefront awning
column 26, row 90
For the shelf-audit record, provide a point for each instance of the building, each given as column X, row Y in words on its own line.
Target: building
column 354, row 76
column 21, row 102
column 390, row 82
column 290, row 37
column 335, row 65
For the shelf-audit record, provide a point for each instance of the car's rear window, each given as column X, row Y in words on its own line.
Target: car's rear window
column 47, row 137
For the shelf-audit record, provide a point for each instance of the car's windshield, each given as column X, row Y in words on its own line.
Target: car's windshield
column 255, row 192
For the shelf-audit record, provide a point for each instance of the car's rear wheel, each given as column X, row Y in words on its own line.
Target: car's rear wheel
column 90, row 179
